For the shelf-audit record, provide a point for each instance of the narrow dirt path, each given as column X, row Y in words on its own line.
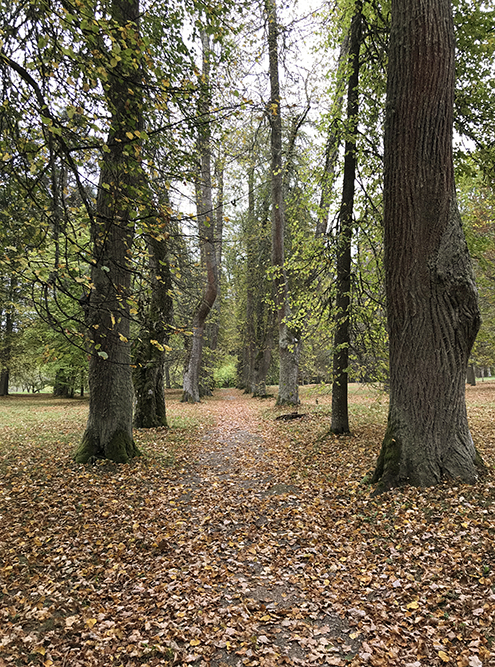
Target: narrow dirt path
column 237, row 495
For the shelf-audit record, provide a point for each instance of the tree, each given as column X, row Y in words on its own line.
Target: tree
column 109, row 428
column 432, row 306
column 259, row 315
column 206, row 228
column 156, row 317
column 340, row 411
column 288, row 340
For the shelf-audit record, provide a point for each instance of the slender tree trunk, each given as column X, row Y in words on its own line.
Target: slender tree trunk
column 109, row 428
column 340, row 408
column 206, row 227
column 218, row 240
column 249, row 352
column 433, row 314
column 332, row 145
column 6, row 351
column 149, row 354
column 288, row 392
column 207, row 382
column 259, row 316
column 6, row 343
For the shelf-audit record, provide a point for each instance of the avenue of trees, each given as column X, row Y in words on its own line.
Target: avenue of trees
column 199, row 194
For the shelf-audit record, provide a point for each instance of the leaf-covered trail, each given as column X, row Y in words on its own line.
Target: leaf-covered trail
column 257, row 546
column 237, row 493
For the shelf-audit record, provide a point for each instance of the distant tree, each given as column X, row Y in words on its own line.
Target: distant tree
column 206, row 232
column 288, row 336
column 155, row 325
column 477, row 201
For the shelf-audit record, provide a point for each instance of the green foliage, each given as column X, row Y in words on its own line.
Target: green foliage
column 57, row 60
column 226, row 374
column 475, row 84
column 477, row 204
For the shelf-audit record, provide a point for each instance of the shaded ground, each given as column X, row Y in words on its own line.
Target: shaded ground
column 239, row 540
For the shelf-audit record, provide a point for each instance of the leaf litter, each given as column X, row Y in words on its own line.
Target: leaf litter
column 240, row 540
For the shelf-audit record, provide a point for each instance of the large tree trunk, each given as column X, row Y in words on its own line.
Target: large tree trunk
column 288, row 342
column 109, row 428
column 191, row 393
column 340, row 407
column 432, row 304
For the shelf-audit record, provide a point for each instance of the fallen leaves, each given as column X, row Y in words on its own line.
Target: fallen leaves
column 257, row 546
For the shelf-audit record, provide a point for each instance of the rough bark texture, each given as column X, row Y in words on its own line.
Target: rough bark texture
column 289, row 347
column 432, row 305
column 109, row 428
column 191, row 393
column 340, row 407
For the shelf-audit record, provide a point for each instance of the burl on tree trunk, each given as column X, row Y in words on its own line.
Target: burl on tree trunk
column 432, row 305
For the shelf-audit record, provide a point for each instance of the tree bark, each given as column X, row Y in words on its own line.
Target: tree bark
column 340, row 407
column 259, row 315
column 4, row 381
column 218, row 239
column 288, row 342
column 471, row 375
column 433, row 314
column 207, row 382
column 6, row 352
column 206, row 227
column 149, row 354
column 6, row 338
column 109, row 428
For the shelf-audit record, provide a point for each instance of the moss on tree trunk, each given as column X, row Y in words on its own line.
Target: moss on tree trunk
column 120, row 448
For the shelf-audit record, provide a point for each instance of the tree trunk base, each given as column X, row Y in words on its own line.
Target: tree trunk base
column 157, row 422
column 292, row 401
column 187, row 397
column 340, row 430
column 396, row 466
column 120, row 449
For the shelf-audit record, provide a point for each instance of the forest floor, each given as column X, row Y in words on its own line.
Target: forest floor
column 239, row 539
